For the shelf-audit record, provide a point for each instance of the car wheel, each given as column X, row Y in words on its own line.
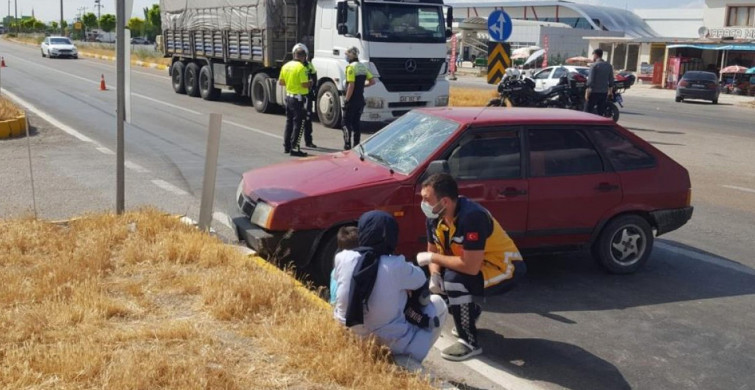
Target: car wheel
column 679, row 99
column 43, row 53
column 207, row 84
column 322, row 264
column 261, row 93
column 329, row 105
column 191, row 79
column 177, row 76
column 624, row 245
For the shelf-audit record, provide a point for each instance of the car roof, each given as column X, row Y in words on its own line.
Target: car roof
column 504, row 115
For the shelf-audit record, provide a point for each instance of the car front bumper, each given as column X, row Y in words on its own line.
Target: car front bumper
column 278, row 247
column 670, row 220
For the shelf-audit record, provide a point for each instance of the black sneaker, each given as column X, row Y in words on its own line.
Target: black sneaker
column 311, row 145
column 460, row 350
column 298, row 153
column 287, row 151
column 346, row 147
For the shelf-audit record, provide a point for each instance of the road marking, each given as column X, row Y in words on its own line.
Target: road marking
column 276, row 136
column 136, row 167
column 486, row 368
column 167, row 104
column 169, row 187
column 223, row 218
column 739, row 188
column 732, row 265
column 68, row 129
column 105, row 150
column 101, row 65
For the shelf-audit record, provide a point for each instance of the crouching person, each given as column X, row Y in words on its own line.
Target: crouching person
column 373, row 287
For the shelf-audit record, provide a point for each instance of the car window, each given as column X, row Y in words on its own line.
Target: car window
column 584, row 71
column 60, row 41
column 485, row 157
column 623, row 155
column 559, row 73
column 562, row 152
column 543, row 74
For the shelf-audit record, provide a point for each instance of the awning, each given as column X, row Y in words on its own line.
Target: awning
column 708, row 46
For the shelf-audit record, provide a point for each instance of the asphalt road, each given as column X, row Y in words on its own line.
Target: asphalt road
column 684, row 322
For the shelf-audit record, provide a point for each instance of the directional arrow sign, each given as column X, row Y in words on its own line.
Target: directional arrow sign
column 499, row 26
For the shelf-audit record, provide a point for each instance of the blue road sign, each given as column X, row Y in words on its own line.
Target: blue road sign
column 499, row 26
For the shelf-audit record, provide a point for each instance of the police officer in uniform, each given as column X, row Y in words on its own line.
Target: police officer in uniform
column 358, row 77
column 295, row 77
column 310, row 104
column 468, row 254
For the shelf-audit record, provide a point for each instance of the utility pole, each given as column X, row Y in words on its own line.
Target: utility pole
column 120, row 64
column 98, row 5
column 15, row 18
column 62, row 30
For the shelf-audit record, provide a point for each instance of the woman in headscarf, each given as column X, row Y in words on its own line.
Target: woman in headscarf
column 374, row 286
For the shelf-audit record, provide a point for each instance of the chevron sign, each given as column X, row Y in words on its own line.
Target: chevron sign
column 499, row 59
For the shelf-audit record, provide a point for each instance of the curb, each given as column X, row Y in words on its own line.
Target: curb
column 13, row 127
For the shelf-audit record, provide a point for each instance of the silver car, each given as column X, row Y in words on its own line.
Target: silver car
column 54, row 47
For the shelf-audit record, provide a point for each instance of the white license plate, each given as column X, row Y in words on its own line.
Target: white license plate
column 698, row 86
column 408, row 99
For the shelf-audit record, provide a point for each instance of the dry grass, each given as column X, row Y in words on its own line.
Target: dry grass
column 142, row 301
column 136, row 55
column 8, row 109
column 470, row 97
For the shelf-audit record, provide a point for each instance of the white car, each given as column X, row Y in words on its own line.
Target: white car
column 549, row 77
column 54, row 47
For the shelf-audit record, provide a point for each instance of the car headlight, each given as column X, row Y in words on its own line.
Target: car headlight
column 441, row 101
column 262, row 215
column 373, row 102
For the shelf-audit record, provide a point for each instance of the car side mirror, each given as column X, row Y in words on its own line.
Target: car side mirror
column 342, row 29
column 437, row 166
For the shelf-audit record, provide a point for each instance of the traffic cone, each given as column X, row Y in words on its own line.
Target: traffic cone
column 103, row 87
column 2, row 63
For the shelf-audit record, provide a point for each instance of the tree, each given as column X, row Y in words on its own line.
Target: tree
column 152, row 22
column 107, row 22
column 89, row 20
column 54, row 26
column 136, row 25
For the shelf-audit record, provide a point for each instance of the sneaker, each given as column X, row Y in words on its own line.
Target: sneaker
column 311, row 145
column 455, row 332
column 346, row 147
column 298, row 153
column 459, row 351
column 286, row 150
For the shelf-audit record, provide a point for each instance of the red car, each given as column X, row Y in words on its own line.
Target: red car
column 555, row 179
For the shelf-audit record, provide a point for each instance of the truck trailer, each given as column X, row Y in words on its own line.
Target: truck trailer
column 241, row 45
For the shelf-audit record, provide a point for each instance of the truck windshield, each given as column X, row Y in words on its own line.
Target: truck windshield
column 407, row 142
column 403, row 23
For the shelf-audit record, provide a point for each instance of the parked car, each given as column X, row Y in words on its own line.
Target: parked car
column 555, row 179
column 54, row 47
column 140, row 41
column 698, row 85
column 550, row 76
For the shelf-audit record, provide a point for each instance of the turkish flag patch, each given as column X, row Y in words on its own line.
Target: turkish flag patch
column 473, row 236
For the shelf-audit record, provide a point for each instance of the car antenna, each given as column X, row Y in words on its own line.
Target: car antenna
column 479, row 113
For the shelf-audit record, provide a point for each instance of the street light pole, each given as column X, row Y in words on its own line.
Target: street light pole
column 15, row 18
column 62, row 30
column 120, row 56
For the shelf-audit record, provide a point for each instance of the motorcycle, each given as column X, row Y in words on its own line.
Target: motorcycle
column 575, row 99
column 621, row 83
column 515, row 90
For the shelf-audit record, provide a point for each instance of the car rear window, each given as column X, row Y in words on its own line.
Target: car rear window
column 699, row 76
column 562, row 152
column 623, row 155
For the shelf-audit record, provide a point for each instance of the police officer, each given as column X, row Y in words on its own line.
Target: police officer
column 468, row 254
column 357, row 78
column 295, row 77
column 310, row 102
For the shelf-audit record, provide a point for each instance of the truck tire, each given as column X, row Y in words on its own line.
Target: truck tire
column 207, row 88
column 624, row 245
column 329, row 105
column 260, row 91
column 191, row 79
column 177, row 76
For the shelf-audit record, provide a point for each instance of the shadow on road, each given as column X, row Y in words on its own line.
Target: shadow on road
column 555, row 362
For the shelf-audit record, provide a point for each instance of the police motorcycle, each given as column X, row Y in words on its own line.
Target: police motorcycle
column 515, row 90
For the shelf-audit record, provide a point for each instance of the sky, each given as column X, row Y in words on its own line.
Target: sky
column 48, row 10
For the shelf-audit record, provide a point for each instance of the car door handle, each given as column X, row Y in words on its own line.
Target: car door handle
column 512, row 192
column 606, row 187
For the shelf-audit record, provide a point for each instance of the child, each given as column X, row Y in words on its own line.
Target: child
column 348, row 239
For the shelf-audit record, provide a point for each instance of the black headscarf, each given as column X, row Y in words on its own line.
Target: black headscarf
column 378, row 236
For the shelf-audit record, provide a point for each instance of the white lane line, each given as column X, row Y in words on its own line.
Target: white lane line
column 252, row 129
column 68, row 129
column 169, row 187
column 166, row 104
column 105, row 150
column 136, row 167
column 739, row 188
column 734, row 266
column 223, row 218
column 485, row 368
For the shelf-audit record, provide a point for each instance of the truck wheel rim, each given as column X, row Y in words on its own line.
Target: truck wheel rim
column 628, row 245
column 176, row 78
column 326, row 104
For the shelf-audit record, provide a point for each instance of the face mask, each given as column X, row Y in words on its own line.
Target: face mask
column 428, row 210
